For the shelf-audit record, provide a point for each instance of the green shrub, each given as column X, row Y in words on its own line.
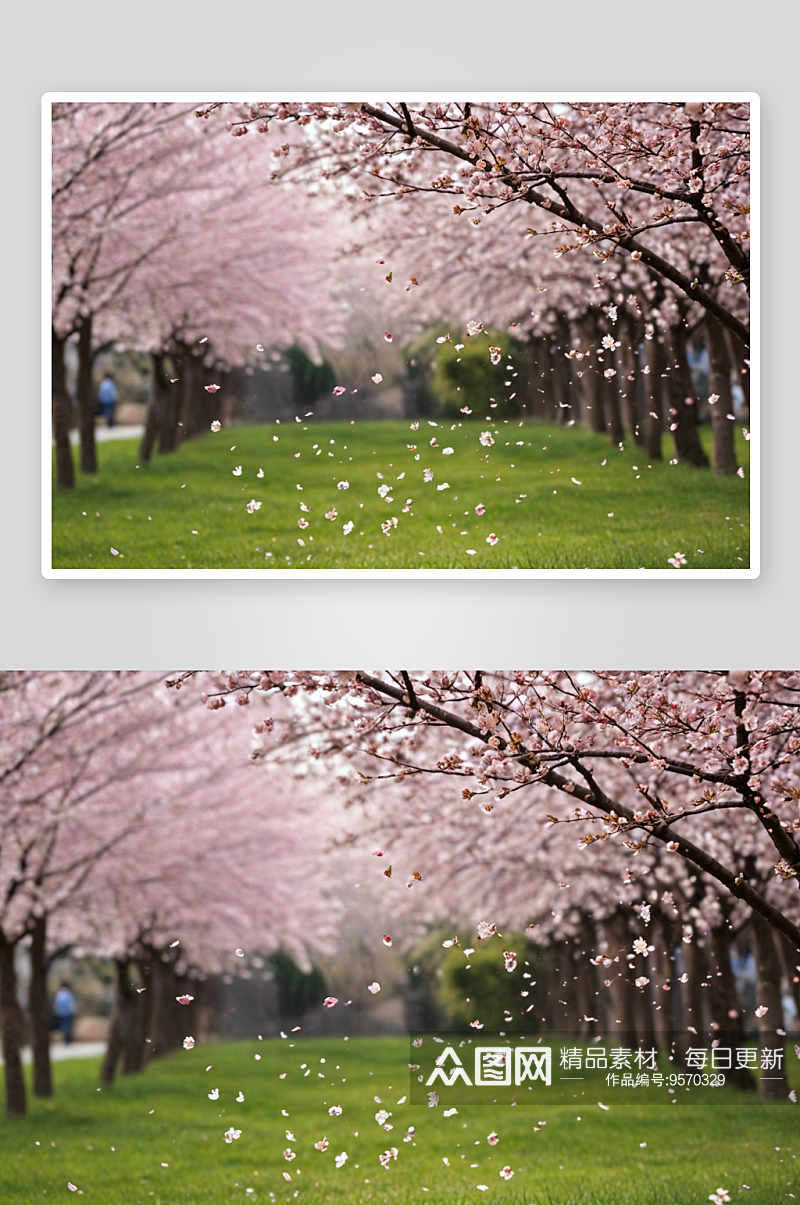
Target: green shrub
column 480, row 988
column 467, row 377
column 297, row 991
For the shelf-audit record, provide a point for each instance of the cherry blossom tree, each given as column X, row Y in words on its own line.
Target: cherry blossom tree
column 69, row 743
column 600, row 168
column 642, row 201
column 122, row 826
column 692, row 775
column 156, row 245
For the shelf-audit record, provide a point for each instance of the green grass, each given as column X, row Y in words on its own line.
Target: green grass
column 165, row 1117
column 542, row 518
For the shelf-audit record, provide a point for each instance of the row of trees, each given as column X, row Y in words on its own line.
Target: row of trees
column 162, row 244
column 169, row 239
column 641, row 241
column 676, row 829
column 128, row 833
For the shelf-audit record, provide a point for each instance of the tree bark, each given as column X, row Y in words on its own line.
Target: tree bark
column 122, row 1015
column 62, row 416
column 12, row 1029
column 664, row 937
column 627, row 365
column 562, row 409
column 155, row 406
column 654, row 397
column 571, row 398
column 623, row 994
column 168, row 430
column 724, row 1004
column 136, row 1053
column 39, row 1011
column 694, row 996
column 724, row 454
column 592, row 381
column 771, row 1081
column 85, row 397
column 683, row 411
column 611, row 400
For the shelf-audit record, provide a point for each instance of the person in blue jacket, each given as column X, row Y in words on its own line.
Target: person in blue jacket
column 64, row 1008
column 107, row 396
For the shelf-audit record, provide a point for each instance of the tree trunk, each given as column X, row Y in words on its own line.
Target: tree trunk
column 683, row 411
column 627, row 365
column 694, row 996
column 611, row 400
column 168, row 430
column 538, row 406
column 12, row 1029
column 571, row 410
column 62, row 416
column 562, row 410
column 725, row 1006
column 724, row 454
column 592, row 381
column 136, row 1054
column 39, row 1011
column 122, row 1018
column 85, row 397
column 654, row 397
column 155, row 406
column 771, row 1080
column 664, row 941
column 623, row 994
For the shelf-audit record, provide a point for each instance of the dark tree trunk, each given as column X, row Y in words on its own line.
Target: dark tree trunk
column 137, row 1048
column 694, row 996
column 191, row 382
column 12, row 1029
column 538, row 406
column 654, row 397
column 159, row 384
column 724, row 1005
column 562, row 410
column 771, row 1081
column 168, row 430
column 627, row 366
column 85, row 397
column 39, row 1011
column 592, row 381
column 623, row 1010
column 724, row 454
column 611, row 409
column 571, row 399
column 62, row 416
column 683, row 411
column 122, row 1018
column 664, row 984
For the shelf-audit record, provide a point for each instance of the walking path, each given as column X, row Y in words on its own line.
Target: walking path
column 76, row 1050
column 103, row 434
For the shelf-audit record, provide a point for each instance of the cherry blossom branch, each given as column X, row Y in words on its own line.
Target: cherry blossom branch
column 593, row 795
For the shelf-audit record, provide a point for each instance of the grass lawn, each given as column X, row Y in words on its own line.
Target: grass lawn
column 555, row 498
column 158, row 1138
